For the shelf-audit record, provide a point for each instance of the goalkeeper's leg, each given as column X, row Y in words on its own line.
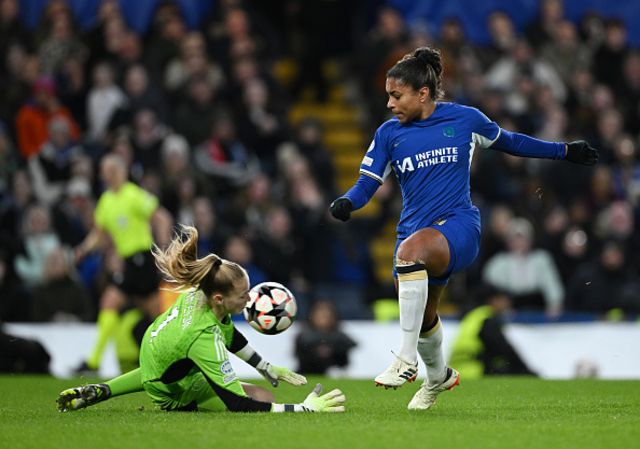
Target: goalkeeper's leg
column 81, row 397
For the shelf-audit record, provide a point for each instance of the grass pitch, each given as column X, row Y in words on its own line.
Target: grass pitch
column 492, row 413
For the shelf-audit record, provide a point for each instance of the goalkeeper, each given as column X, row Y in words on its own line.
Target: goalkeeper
column 184, row 364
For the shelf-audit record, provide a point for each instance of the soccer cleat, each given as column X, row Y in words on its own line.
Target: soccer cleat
column 81, row 397
column 397, row 374
column 426, row 396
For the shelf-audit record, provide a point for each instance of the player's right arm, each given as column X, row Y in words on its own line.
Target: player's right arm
column 374, row 169
column 95, row 239
column 209, row 354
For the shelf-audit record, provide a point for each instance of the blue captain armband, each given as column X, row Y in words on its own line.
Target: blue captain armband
column 526, row 146
column 362, row 191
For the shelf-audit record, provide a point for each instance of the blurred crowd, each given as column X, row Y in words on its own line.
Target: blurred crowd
column 203, row 124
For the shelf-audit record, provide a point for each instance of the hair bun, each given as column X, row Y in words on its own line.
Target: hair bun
column 429, row 56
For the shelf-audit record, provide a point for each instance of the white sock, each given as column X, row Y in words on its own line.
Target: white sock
column 412, row 297
column 430, row 349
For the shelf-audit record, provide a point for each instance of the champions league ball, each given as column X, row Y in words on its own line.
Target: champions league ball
column 271, row 309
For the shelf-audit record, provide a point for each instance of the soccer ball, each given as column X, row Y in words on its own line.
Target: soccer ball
column 271, row 309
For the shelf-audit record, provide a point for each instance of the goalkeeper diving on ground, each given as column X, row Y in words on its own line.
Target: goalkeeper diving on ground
column 184, row 363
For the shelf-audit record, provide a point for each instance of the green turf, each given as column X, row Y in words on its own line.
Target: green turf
column 493, row 413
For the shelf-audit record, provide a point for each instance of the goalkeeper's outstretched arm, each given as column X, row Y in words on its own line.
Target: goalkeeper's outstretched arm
column 243, row 350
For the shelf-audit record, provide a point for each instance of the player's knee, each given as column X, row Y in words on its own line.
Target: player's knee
column 408, row 255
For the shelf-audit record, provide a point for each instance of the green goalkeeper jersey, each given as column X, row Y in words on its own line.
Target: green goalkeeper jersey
column 188, row 332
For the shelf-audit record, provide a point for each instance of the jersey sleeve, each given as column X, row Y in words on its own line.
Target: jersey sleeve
column 146, row 203
column 484, row 131
column 376, row 163
column 209, row 353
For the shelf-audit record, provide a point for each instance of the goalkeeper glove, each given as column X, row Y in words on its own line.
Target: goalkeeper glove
column 328, row 402
column 341, row 209
column 580, row 152
column 275, row 373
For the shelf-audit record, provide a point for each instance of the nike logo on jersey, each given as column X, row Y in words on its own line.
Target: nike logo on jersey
column 398, row 142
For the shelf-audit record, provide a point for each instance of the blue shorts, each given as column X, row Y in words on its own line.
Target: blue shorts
column 461, row 228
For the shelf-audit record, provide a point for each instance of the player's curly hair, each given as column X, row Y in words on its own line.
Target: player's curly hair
column 179, row 263
column 421, row 68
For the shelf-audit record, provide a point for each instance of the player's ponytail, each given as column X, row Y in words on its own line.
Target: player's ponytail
column 421, row 68
column 179, row 263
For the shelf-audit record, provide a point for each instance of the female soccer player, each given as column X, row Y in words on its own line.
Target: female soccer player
column 429, row 145
column 184, row 363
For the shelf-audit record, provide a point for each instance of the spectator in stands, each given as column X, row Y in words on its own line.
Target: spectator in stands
column 321, row 347
column 263, row 128
column 626, row 170
column 212, row 231
column 575, row 250
column 309, row 142
column 566, row 53
column 60, row 45
column 383, row 45
column 529, row 275
column 608, row 59
column 167, row 31
column 521, row 63
column 605, row 283
column 15, row 302
column 238, row 249
column 275, row 249
column 39, row 241
column 12, row 214
column 481, row 347
column 12, row 30
column 8, row 160
column 33, row 118
column 61, row 297
column 141, row 94
column 196, row 111
column 609, row 128
column 543, row 29
column 51, row 168
column 104, row 99
column 631, row 97
column 73, row 215
column 192, row 63
column 503, row 39
column 224, row 158
column 147, row 138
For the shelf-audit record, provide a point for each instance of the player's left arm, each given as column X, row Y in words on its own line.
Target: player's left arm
column 487, row 134
column 243, row 350
column 579, row 152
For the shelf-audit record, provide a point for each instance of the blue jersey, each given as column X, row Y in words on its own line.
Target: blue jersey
column 432, row 161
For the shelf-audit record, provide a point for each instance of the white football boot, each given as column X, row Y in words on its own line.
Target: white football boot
column 426, row 396
column 398, row 373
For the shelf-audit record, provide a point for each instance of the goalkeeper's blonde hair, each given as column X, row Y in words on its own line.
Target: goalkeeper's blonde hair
column 179, row 263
